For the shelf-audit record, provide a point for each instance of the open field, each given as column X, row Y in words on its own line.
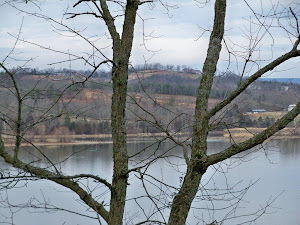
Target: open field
column 149, row 73
column 264, row 115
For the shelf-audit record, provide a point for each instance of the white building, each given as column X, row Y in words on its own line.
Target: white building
column 258, row 110
column 291, row 107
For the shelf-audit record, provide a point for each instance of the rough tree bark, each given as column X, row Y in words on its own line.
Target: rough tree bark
column 121, row 53
column 196, row 167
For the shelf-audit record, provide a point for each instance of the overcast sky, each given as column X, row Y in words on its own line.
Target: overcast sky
column 172, row 37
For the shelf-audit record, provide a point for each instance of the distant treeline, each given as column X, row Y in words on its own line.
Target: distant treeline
column 68, row 127
column 161, row 67
column 64, row 71
column 104, row 73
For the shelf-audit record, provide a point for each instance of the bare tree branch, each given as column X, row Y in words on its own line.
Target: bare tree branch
column 291, row 54
column 44, row 174
column 256, row 140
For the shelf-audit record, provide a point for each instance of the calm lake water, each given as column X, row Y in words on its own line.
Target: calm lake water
column 274, row 171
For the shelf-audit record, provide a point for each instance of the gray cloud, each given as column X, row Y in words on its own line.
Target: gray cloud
column 175, row 35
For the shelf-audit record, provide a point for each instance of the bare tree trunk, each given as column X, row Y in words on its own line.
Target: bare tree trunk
column 196, row 167
column 122, row 52
column 120, row 155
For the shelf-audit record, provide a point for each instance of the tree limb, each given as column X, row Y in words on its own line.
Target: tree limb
column 45, row 174
column 256, row 140
column 109, row 21
column 73, row 15
column 291, row 54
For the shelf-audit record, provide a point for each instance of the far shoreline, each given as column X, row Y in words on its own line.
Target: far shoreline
column 236, row 134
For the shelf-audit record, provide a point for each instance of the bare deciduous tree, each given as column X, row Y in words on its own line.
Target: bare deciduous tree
column 197, row 160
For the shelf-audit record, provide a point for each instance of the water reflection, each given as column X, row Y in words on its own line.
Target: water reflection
column 276, row 165
column 290, row 149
